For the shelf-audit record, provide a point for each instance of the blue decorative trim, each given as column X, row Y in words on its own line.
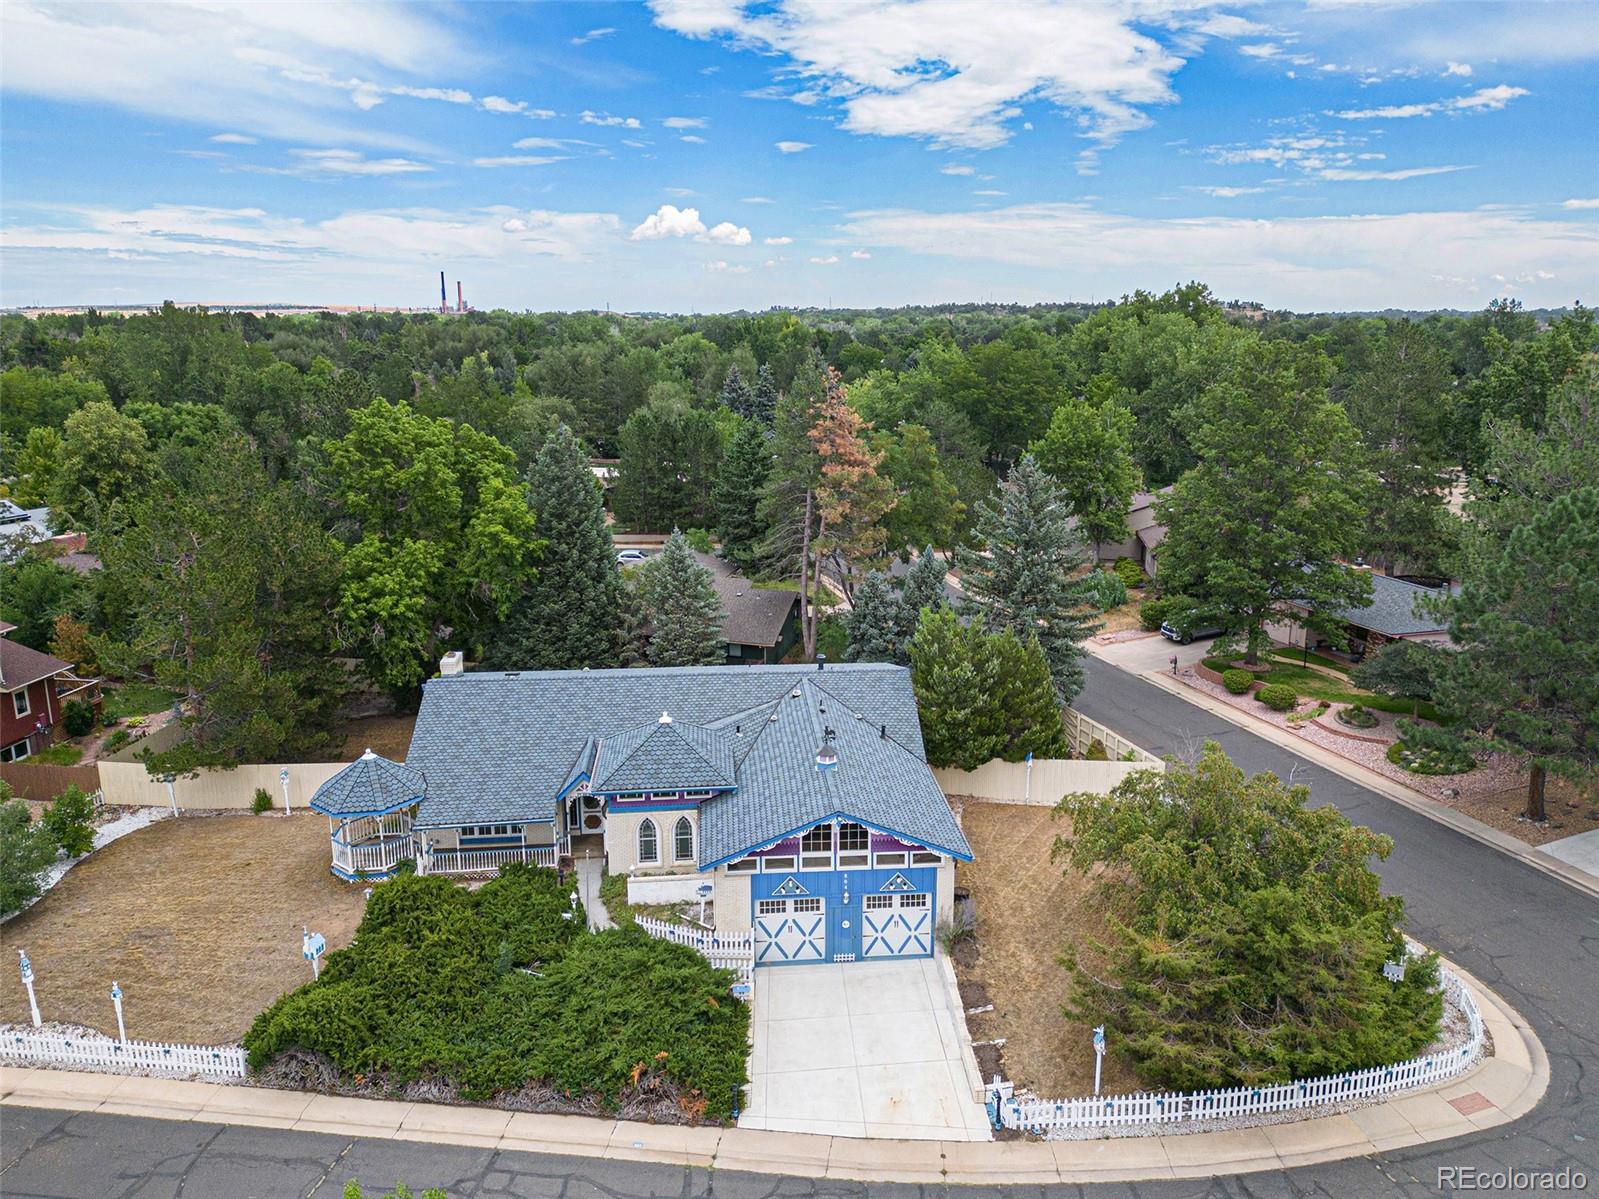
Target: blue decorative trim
column 898, row 883
column 790, row 886
column 677, row 805
column 358, row 815
column 876, row 828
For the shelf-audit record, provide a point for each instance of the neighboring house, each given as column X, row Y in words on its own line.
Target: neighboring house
column 1144, row 533
column 37, row 688
column 1392, row 615
column 802, row 796
column 759, row 624
column 27, row 527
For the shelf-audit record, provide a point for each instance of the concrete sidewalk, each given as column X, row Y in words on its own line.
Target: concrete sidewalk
column 1570, row 872
column 1498, row 1090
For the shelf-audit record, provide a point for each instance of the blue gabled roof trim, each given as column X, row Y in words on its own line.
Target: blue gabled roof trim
column 958, row 855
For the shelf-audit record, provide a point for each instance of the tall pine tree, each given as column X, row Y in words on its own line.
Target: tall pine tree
column 685, row 614
column 1019, row 573
column 873, row 622
column 736, row 395
column 568, row 618
column 764, row 400
column 737, row 495
column 923, row 587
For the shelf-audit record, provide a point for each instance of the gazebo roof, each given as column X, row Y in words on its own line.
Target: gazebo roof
column 370, row 786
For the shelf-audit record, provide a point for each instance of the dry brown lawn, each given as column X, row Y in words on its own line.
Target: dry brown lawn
column 387, row 736
column 1125, row 618
column 1028, row 910
column 198, row 918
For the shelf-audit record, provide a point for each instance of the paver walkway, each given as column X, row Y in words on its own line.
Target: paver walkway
column 589, row 873
column 869, row 1049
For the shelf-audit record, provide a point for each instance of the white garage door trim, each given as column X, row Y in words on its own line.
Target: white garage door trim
column 790, row 930
column 897, row 926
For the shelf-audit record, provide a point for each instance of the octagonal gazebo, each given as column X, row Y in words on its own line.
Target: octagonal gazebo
column 370, row 805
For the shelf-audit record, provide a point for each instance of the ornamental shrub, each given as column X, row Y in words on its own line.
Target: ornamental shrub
column 78, row 718
column 1251, row 932
column 1105, row 590
column 262, row 801
column 1279, row 697
column 1096, row 751
column 1153, row 613
column 1237, row 681
column 70, row 821
column 1129, row 572
column 117, row 740
column 26, row 849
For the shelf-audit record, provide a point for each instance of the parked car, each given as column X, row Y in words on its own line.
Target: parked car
column 1183, row 630
column 630, row 557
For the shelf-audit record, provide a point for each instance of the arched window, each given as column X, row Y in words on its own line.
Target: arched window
column 683, row 840
column 649, row 849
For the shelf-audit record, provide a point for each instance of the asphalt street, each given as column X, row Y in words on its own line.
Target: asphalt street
column 1528, row 936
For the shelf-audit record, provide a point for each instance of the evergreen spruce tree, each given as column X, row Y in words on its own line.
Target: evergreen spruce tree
column 1020, row 571
column 685, row 614
column 874, row 623
column 737, row 495
column 765, row 398
column 568, row 618
column 632, row 634
column 922, row 587
column 948, row 679
column 1022, row 694
column 736, row 395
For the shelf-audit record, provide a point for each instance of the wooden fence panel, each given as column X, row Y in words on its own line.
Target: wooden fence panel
column 42, row 781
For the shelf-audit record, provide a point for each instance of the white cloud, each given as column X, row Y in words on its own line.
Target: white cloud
column 1344, row 174
column 988, row 191
column 692, row 139
column 957, row 170
column 589, row 117
column 1582, row 203
column 792, row 147
column 1227, row 193
column 728, row 234
column 680, row 192
column 788, row 241
column 1324, row 263
column 344, row 162
column 671, row 221
column 547, row 143
column 860, row 253
column 685, row 122
column 1227, row 25
column 1486, row 99
column 514, row 108
column 593, row 35
column 928, row 69
column 1332, row 156
column 1261, row 50
column 828, row 261
column 720, row 266
column 757, row 200
column 519, row 160
column 1457, row 68
column 234, row 139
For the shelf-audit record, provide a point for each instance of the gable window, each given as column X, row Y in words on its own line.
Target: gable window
column 854, row 842
column 816, row 848
column 19, row 702
column 743, row 865
column 649, row 846
column 683, row 840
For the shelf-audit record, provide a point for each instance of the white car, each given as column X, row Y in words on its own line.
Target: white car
column 630, row 557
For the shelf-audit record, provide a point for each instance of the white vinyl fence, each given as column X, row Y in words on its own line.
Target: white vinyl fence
column 1043, row 1116
column 1081, row 732
column 153, row 1057
column 728, row 951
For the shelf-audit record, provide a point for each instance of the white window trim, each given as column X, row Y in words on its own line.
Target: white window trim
column 20, row 704
column 655, row 838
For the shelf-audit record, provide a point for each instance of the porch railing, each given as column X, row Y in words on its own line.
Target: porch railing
column 482, row 861
column 373, row 857
column 366, row 828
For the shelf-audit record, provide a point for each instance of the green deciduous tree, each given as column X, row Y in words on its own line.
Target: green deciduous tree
column 105, row 458
column 926, row 509
column 69, row 820
column 685, row 613
column 1088, row 451
column 1019, row 571
column 1402, row 669
column 567, row 620
column 1249, row 932
column 35, row 591
column 982, row 695
column 1401, row 408
column 737, row 494
column 441, row 538
column 1525, row 679
column 1280, row 494
column 35, row 466
column 26, row 850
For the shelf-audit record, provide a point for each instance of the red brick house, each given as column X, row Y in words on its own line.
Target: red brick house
column 34, row 691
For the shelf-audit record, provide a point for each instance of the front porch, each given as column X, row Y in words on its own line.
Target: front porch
column 371, row 846
column 484, row 861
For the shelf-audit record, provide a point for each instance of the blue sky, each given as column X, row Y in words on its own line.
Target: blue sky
column 696, row 155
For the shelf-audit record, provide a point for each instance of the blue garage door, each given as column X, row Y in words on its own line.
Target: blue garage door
column 843, row 915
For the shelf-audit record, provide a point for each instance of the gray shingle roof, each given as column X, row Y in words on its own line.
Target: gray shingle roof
column 663, row 755
column 368, row 786
column 500, row 747
column 20, row 666
column 1392, row 610
column 751, row 615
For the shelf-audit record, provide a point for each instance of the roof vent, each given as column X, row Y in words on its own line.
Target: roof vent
column 665, row 719
column 826, row 754
column 821, row 661
column 772, row 719
column 368, row 755
column 794, row 694
column 882, row 733
column 738, row 730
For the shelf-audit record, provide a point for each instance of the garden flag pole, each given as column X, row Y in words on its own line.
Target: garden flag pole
column 116, row 999
column 1099, row 1054
column 27, row 981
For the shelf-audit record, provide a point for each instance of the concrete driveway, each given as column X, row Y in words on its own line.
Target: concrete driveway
column 1142, row 655
column 865, row 1049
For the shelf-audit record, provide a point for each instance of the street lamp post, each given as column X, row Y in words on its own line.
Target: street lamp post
column 283, row 777
column 27, row 981
column 116, row 1000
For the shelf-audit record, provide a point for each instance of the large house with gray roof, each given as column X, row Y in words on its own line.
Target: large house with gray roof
column 1397, row 611
column 799, row 794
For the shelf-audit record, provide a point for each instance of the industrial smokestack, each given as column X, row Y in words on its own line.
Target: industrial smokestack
column 444, row 296
column 460, row 304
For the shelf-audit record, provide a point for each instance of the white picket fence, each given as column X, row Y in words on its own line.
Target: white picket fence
column 1042, row 1116
column 154, row 1057
column 727, row 951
